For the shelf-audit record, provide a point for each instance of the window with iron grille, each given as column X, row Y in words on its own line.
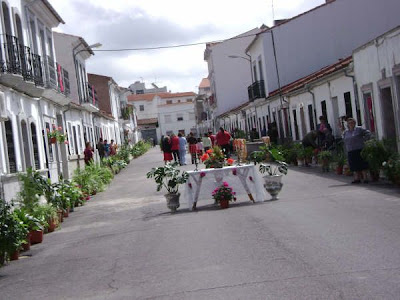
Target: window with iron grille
column 35, row 146
column 141, row 107
column 12, row 166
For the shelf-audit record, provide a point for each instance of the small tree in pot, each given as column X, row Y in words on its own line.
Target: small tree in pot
column 169, row 177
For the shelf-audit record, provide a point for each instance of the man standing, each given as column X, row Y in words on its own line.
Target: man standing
column 223, row 139
column 182, row 149
column 100, row 148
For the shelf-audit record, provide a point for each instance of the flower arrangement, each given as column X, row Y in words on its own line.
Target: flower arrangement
column 57, row 135
column 224, row 192
column 214, row 158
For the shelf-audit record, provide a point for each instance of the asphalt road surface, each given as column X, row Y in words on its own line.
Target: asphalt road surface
column 324, row 239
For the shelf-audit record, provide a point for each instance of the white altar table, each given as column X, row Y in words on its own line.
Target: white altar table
column 245, row 181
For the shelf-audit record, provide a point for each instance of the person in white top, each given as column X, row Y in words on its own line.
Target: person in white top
column 182, row 149
column 207, row 144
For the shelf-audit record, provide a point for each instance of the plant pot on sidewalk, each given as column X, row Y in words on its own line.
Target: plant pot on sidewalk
column 14, row 255
column 36, row 236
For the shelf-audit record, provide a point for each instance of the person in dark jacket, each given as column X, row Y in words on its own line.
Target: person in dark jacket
column 100, row 148
column 167, row 149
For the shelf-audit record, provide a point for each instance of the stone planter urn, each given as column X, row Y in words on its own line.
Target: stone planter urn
column 172, row 201
column 273, row 185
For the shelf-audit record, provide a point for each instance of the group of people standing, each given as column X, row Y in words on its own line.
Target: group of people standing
column 105, row 150
column 175, row 147
column 353, row 138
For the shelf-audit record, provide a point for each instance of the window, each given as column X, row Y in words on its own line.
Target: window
column 25, row 145
column 169, row 101
column 12, row 166
column 311, row 116
column 260, row 68
column 35, row 146
column 51, row 157
column 347, row 103
column 141, row 107
column 179, row 101
column 168, row 119
column 179, row 117
column 369, row 112
column 75, row 139
column 188, row 100
column 296, row 126
column 323, row 108
column 139, row 92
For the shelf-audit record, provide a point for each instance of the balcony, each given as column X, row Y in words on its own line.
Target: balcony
column 56, row 82
column 256, row 90
column 90, row 102
column 20, row 68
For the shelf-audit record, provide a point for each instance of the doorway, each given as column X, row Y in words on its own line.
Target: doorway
column 389, row 128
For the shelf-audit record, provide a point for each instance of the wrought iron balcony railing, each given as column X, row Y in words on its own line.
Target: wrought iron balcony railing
column 256, row 90
column 91, row 95
column 16, row 58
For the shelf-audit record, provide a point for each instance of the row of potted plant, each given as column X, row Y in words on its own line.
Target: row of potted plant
column 23, row 221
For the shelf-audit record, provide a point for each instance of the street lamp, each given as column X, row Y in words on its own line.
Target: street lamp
column 88, row 48
column 249, row 60
column 74, row 54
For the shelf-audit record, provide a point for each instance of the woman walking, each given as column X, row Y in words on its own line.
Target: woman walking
column 167, row 149
column 354, row 138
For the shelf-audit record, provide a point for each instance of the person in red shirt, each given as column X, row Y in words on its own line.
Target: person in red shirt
column 88, row 153
column 223, row 139
column 212, row 138
column 175, row 147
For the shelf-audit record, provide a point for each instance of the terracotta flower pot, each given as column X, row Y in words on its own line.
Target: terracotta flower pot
column 224, row 204
column 14, row 255
column 26, row 246
column 36, row 236
column 66, row 213
column 339, row 170
column 52, row 225
column 60, row 215
column 53, row 140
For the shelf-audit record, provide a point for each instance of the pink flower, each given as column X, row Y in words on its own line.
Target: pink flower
column 202, row 174
column 66, row 143
column 234, row 172
column 59, row 128
column 225, row 184
column 233, row 193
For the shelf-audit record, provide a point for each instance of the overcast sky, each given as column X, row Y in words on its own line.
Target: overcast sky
column 151, row 23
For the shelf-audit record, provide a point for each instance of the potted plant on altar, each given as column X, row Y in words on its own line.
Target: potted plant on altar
column 273, row 173
column 214, row 158
column 169, row 177
column 223, row 194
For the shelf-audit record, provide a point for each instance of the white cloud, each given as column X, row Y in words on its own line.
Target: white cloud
column 149, row 23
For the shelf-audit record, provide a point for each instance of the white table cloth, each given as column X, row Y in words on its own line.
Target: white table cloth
column 245, row 181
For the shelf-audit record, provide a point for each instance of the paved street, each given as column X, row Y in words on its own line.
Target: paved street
column 324, row 239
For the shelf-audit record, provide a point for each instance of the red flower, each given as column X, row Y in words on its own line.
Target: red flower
column 202, row 174
column 209, row 151
column 230, row 161
column 204, row 157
